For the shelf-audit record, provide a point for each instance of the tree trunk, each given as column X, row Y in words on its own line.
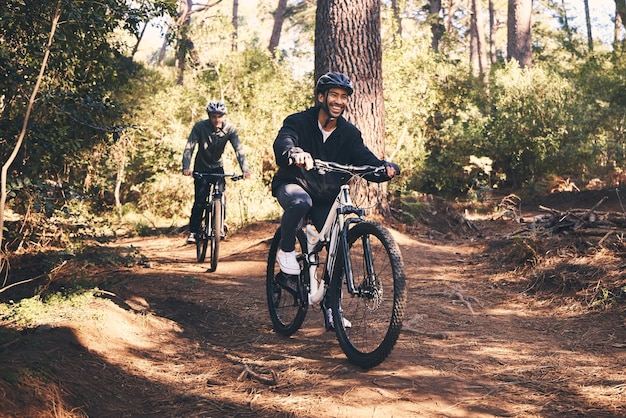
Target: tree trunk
column 478, row 52
column 617, row 34
column 436, row 26
column 588, row 21
column 397, row 33
column 279, row 19
column 20, row 139
column 519, row 40
column 182, row 41
column 566, row 28
column 235, row 34
column 139, row 38
column 620, row 9
column 492, row 33
column 348, row 39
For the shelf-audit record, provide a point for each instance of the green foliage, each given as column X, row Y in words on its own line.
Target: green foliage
column 89, row 93
column 530, row 123
column 102, row 118
column 438, row 112
column 531, row 127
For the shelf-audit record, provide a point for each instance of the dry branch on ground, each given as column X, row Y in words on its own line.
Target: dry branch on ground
column 579, row 221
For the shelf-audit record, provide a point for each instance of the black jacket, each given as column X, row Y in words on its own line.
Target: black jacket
column 301, row 132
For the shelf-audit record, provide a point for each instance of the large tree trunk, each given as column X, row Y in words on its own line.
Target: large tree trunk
column 478, row 51
column 279, row 19
column 348, row 39
column 588, row 22
column 519, row 46
column 436, row 26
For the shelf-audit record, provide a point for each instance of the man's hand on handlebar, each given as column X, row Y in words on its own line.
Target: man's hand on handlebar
column 392, row 169
column 302, row 159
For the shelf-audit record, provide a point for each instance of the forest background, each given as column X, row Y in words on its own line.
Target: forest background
column 102, row 149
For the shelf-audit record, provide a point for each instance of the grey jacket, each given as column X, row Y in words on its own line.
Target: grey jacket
column 211, row 143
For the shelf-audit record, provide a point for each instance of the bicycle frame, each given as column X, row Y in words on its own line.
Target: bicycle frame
column 333, row 235
column 215, row 192
column 217, row 189
column 214, row 207
column 376, row 285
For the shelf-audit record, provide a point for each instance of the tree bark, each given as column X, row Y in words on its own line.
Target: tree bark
column 397, row 33
column 235, row 34
column 588, row 22
column 519, row 38
column 182, row 41
column 478, row 51
column 436, row 26
column 279, row 19
column 492, row 32
column 617, row 30
column 620, row 23
column 348, row 39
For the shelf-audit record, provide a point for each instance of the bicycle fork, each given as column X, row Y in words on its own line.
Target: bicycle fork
column 347, row 261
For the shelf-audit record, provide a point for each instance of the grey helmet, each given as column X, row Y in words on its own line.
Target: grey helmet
column 216, row 107
column 334, row 79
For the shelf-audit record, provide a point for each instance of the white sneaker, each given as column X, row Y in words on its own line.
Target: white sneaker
column 192, row 238
column 288, row 262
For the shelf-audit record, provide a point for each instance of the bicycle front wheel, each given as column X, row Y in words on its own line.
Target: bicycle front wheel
column 287, row 299
column 368, row 323
column 202, row 238
column 216, row 232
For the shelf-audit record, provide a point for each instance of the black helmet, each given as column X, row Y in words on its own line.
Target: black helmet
column 216, row 107
column 334, row 79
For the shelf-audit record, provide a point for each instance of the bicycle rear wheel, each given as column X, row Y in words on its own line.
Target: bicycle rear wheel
column 216, row 232
column 375, row 312
column 287, row 299
column 202, row 238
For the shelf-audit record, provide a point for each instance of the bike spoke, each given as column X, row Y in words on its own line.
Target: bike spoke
column 375, row 310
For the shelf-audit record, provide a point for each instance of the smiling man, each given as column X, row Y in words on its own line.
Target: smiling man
column 320, row 132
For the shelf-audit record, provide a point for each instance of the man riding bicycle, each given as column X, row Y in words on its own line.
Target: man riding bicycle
column 320, row 132
column 211, row 135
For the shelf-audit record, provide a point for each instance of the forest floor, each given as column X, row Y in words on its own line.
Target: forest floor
column 501, row 321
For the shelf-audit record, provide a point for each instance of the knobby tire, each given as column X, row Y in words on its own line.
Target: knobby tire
column 202, row 237
column 286, row 298
column 216, row 233
column 376, row 315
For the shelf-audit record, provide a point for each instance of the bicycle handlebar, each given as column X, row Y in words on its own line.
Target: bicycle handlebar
column 321, row 165
column 215, row 176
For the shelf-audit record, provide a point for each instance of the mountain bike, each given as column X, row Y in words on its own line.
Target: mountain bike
column 212, row 225
column 361, row 289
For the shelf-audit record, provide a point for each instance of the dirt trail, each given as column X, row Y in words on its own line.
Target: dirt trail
column 171, row 340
